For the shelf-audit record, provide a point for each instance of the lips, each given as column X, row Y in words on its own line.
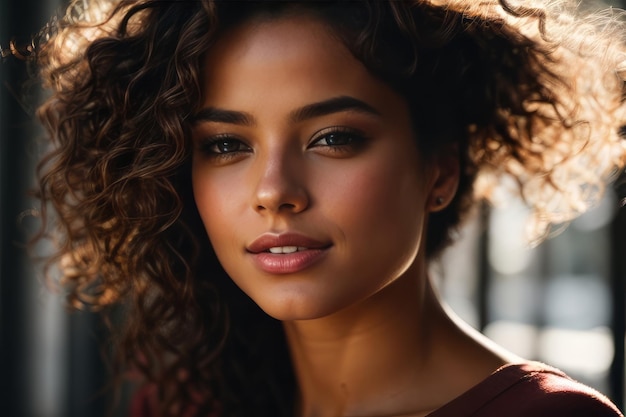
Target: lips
column 285, row 243
column 286, row 253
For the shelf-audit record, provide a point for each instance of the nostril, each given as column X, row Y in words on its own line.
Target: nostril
column 280, row 194
column 280, row 207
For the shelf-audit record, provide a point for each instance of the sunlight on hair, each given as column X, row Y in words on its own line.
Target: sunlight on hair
column 91, row 11
column 84, row 21
column 578, row 148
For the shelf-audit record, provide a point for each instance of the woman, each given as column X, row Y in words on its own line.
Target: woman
column 262, row 185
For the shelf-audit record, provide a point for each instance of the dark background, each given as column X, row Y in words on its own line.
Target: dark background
column 49, row 360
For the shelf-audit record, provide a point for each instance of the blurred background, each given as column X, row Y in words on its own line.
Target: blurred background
column 562, row 303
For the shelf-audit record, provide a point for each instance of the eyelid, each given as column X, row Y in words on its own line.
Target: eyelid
column 205, row 144
column 211, row 139
column 320, row 134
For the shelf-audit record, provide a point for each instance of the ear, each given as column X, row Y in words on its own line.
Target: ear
column 445, row 181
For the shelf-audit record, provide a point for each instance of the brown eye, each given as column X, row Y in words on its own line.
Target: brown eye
column 223, row 146
column 335, row 139
column 338, row 138
column 227, row 146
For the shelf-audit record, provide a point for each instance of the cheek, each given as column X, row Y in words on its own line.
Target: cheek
column 380, row 210
column 387, row 194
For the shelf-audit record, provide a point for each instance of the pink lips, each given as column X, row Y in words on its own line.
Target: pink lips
column 301, row 252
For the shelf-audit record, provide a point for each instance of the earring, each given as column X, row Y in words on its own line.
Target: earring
column 439, row 201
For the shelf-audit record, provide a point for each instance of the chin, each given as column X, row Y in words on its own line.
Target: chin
column 297, row 308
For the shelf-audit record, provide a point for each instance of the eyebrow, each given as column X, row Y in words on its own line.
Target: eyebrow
column 213, row 114
column 333, row 105
column 310, row 111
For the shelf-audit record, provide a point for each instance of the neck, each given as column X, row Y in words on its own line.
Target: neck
column 363, row 359
column 398, row 353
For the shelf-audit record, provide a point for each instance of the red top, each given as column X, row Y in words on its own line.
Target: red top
column 529, row 390
column 523, row 390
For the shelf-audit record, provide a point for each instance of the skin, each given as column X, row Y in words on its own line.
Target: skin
column 367, row 332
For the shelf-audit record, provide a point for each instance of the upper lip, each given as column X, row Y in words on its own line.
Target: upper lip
column 270, row 240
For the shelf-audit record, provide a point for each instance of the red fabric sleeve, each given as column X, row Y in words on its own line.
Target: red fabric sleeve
column 529, row 390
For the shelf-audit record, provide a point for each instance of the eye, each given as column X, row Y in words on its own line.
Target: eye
column 338, row 139
column 223, row 147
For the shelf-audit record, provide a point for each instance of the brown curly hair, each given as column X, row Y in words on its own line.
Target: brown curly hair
column 526, row 92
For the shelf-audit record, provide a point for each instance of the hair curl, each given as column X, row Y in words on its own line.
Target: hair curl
column 525, row 90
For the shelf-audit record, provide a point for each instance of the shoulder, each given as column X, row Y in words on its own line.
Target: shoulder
column 535, row 389
column 529, row 390
column 545, row 391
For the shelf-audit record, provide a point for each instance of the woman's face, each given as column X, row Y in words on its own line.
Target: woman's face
column 305, row 170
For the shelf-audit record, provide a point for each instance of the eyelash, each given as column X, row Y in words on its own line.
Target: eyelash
column 208, row 147
column 352, row 138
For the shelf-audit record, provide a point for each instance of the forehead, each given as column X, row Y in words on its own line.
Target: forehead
column 270, row 69
column 271, row 30
column 275, row 56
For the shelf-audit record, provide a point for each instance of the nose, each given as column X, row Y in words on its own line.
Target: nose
column 280, row 186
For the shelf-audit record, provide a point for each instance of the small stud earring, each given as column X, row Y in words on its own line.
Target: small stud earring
column 439, row 201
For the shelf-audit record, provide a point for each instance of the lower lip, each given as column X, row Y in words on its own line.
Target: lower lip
column 288, row 263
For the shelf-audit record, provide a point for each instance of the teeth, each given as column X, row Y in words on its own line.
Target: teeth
column 286, row 249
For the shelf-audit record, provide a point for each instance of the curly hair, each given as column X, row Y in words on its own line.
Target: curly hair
column 531, row 96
